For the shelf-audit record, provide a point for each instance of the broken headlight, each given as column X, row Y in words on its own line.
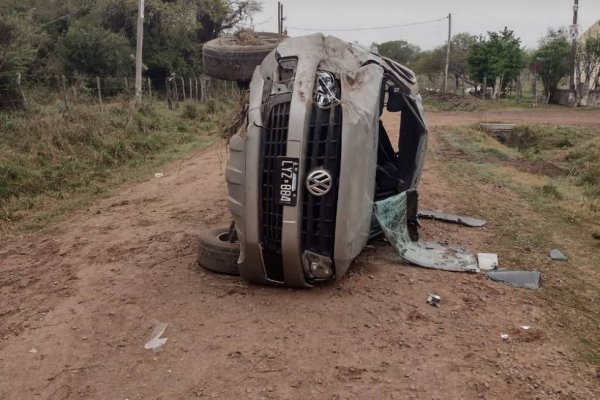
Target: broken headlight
column 316, row 266
column 327, row 91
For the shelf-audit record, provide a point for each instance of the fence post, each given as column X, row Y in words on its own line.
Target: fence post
column 99, row 90
column 149, row 88
column 176, row 92
column 183, row 87
column 203, row 88
column 191, row 90
column 21, row 94
column 196, row 81
column 64, row 90
column 126, row 81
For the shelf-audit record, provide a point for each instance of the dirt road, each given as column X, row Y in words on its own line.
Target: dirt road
column 77, row 304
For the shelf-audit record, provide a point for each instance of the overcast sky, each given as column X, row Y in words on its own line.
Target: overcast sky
column 530, row 19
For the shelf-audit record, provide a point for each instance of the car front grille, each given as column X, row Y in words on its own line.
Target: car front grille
column 323, row 151
column 273, row 145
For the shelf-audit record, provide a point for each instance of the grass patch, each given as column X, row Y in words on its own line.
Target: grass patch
column 550, row 190
column 532, row 213
column 50, row 158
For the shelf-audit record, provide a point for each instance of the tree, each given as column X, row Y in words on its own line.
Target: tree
column 587, row 61
column 430, row 63
column 551, row 61
column 460, row 45
column 18, row 39
column 399, row 50
column 498, row 57
column 94, row 51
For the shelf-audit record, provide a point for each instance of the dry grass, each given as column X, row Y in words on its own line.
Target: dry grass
column 247, row 37
column 531, row 213
column 50, row 158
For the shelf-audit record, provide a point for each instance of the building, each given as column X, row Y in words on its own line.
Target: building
column 593, row 31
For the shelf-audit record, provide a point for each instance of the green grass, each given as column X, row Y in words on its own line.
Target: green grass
column 52, row 161
column 533, row 213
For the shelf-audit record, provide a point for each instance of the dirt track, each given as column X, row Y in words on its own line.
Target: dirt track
column 77, row 305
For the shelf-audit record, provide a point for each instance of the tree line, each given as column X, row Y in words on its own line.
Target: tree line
column 89, row 38
column 498, row 59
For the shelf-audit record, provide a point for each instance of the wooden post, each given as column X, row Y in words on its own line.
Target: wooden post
column 175, row 87
column 138, row 53
column 202, row 89
column 183, row 87
column 99, row 90
column 64, row 90
column 149, row 88
column 484, row 86
column 24, row 104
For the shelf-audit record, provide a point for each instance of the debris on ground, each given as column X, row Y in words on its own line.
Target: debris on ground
column 523, row 279
column 487, row 261
column 397, row 217
column 457, row 219
column 558, row 255
column 156, row 342
column 451, row 101
column 434, row 299
column 159, row 175
column 504, row 336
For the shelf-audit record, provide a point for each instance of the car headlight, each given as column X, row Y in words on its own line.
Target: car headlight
column 327, row 92
column 316, row 266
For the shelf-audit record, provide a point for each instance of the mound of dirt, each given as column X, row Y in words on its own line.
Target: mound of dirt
column 452, row 101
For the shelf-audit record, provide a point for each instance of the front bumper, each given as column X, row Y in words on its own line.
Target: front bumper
column 274, row 255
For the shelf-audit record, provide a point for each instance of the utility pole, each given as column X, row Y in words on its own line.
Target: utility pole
column 574, row 46
column 138, row 54
column 279, row 17
column 448, row 53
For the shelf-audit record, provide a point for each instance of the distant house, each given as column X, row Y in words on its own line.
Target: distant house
column 593, row 31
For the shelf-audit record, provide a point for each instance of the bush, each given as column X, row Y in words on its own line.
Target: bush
column 94, row 51
column 17, row 51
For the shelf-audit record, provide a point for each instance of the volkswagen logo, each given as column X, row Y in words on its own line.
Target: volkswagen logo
column 319, row 182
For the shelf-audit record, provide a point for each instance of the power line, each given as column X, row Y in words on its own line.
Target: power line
column 369, row 29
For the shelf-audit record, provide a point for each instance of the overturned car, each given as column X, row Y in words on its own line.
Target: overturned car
column 314, row 155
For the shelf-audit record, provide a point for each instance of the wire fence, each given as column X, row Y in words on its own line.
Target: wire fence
column 23, row 91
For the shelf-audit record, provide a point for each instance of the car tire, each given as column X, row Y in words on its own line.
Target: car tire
column 225, row 59
column 216, row 253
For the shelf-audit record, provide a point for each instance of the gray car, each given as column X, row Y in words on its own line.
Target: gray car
column 314, row 156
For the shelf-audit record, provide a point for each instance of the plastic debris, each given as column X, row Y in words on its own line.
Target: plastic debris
column 397, row 217
column 159, row 175
column 504, row 336
column 523, row 279
column 525, row 327
column 557, row 255
column 156, row 342
column 487, row 261
column 456, row 219
column 33, row 351
column 434, row 299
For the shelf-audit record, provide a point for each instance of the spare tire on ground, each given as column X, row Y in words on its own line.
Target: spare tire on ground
column 217, row 253
column 234, row 58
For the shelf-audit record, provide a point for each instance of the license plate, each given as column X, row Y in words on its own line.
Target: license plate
column 287, row 181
